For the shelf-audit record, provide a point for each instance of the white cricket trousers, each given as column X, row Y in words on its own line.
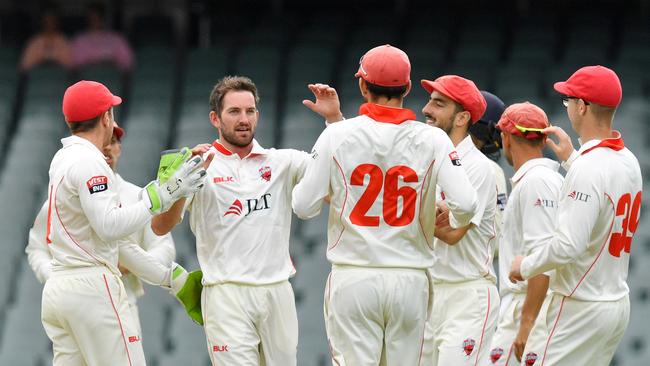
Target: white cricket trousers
column 376, row 316
column 462, row 322
column 577, row 332
column 248, row 325
column 86, row 314
column 502, row 352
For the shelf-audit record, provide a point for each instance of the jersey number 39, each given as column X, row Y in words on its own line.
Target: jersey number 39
column 391, row 192
column 626, row 206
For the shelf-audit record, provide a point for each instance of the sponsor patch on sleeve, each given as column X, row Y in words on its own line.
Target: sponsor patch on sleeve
column 454, row 158
column 502, row 200
column 97, row 184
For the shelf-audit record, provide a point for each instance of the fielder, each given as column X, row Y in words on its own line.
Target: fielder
column 589, row 306
column 487, row 139
column 242, row 221
column 462, row 271
column 85, row 311
column 160, row 248
column 530, row 221
column 380, row 171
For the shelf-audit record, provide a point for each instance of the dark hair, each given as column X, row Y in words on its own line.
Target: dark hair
column 536, row 142
column 87, row 125
column 83, row 126
column 387, row 91
column 227, row 84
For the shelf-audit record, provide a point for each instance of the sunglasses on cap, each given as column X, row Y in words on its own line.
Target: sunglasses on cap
column 529, row 130
column 565, row 100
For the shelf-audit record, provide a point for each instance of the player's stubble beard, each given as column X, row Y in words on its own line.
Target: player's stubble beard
column 231, row 137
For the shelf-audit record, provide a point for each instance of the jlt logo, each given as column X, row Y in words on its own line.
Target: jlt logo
column 579, row 196
column 252, row 205
column 545, row 203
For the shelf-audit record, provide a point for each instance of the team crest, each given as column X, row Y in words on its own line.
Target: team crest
column 496, row 354
column 265, row 173
column 530, row 359
column 468, row 346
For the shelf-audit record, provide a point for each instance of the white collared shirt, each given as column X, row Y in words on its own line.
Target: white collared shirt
column 160, row 248
column 381, row 179
column 530, row 217
column 471, row 257
column 242, row 216
column 86, row 215
column 598, row 214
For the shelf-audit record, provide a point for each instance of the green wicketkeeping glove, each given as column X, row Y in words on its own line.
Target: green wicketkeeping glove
column 184, row 176
column 169, row 157
column 187, row 288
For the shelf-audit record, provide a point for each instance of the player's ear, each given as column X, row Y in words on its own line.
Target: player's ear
column 363, row 87
column 408, row 89
column 214, row 119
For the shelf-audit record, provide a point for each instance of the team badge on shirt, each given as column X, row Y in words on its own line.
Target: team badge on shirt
column 454, row 158
column 530, row 358
column 97, row 184
column 265, row 173
column 468, row 346
column 496, row 354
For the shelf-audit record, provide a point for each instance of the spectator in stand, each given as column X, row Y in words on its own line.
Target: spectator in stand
column 97, row 44
column 49, row 45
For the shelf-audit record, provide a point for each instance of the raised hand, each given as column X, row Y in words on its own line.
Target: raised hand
column 327, row 103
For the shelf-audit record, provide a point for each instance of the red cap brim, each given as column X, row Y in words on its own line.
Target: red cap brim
column 430, row 86
column 562, row 88
column 116, row 100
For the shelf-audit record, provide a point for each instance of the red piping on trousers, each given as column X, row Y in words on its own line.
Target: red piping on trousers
column 487, row 314
column 119, row 321
column 553, row 330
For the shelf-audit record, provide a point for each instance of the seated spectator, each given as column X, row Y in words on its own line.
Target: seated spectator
column 50, row 44
column 97, row 44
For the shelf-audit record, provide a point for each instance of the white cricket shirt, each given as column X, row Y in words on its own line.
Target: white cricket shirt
column 161, row 248
column 85, row 213
column 530, row 217
column 471, row 257
column 242, row 216
column 598, row 215
column 380, row 170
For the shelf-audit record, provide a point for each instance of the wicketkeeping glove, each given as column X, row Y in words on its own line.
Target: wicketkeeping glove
column 182, row 178
column 187, row 288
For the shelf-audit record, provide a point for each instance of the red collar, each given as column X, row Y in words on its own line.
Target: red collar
column 385, row 114
column 615, row 143
column 220, row 148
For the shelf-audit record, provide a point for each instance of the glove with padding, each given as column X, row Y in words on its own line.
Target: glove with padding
column 182, row 178
column 187, row 288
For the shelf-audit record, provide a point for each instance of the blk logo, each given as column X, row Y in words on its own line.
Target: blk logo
column 252, row 205
column 223, row 348
column 223, row 180
column 133, row 339
column 579, row 196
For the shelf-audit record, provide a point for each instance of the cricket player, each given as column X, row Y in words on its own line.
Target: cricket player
column 530, row 221
column 160, row 247
column 242, row 221
column 589, row 306
column 85, row 311
column 462, row 272
column 487, row 139
column 380, row 171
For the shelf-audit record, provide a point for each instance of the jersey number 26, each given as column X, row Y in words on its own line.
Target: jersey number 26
column 391, row 192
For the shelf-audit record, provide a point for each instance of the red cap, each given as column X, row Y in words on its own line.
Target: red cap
column 385, row 66
column 460, row 90
column 86, row 100
column 595, row 84
column 118, row 131
column 524, row 115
